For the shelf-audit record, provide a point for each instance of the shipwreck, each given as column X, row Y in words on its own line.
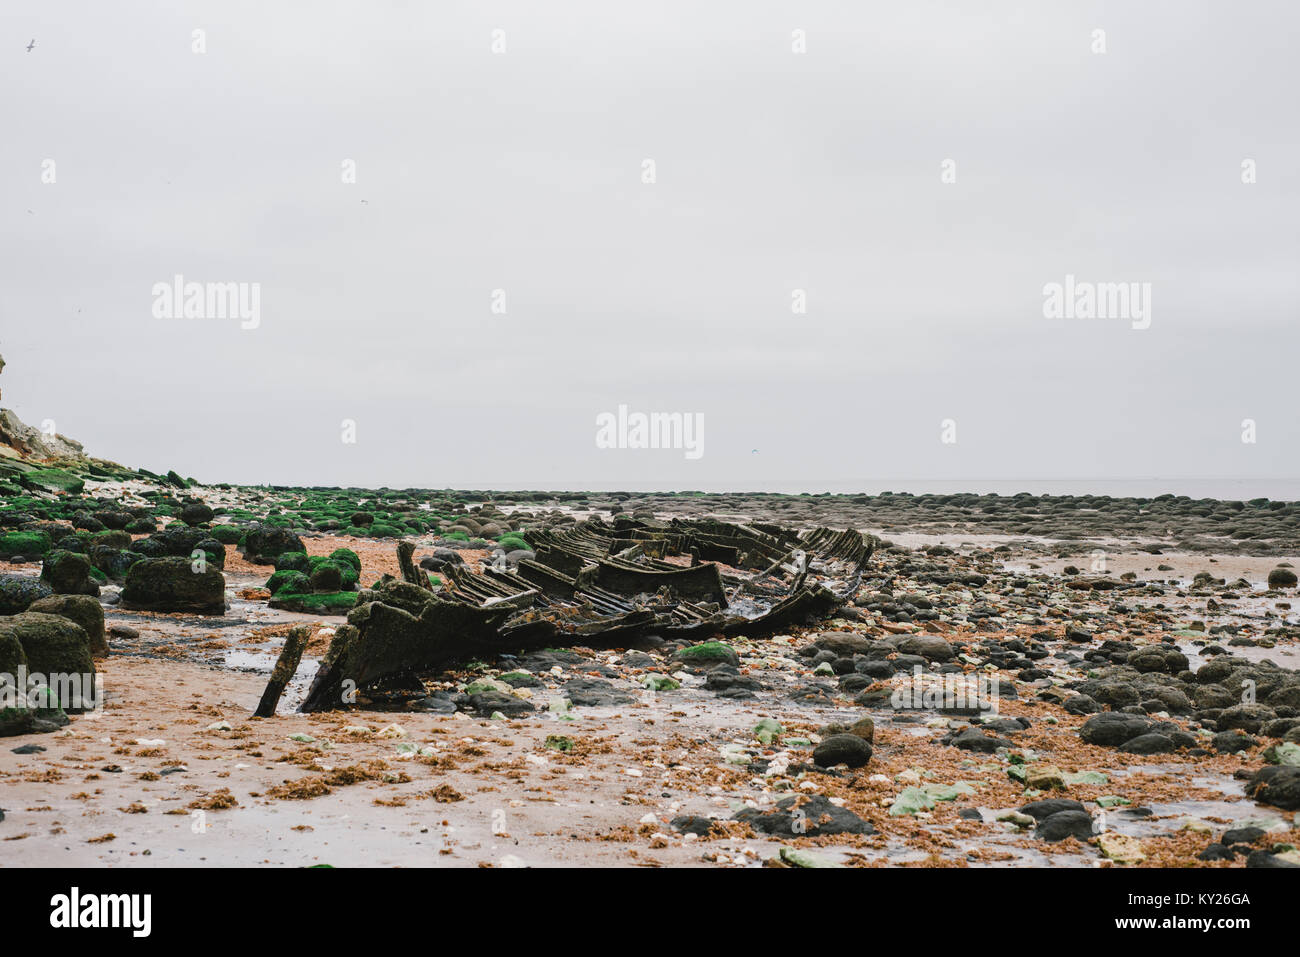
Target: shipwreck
column 595, row 583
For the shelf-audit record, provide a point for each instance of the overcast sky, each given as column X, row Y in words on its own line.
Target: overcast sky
column 774, row 171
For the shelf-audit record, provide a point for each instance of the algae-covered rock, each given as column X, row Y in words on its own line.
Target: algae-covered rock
column 227, row 534
column 55, row 647
column 197, row 514
column 263, row 544
column 293, row 562
column 17, row 592
column 173, row 584
column 326, row 578
column 347, row 556
column 12, row 655
column 68, row 573
column 708, row 653
column 30, row 545
column 84, row 610
column 113, row 562
column 53, row 480
column 312, row 603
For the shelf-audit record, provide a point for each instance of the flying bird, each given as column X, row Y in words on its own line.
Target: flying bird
column 30, row 45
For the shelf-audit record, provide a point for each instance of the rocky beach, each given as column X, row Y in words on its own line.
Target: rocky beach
column 991, row 681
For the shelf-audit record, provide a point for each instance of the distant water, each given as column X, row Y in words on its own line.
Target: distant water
column 1230, row 489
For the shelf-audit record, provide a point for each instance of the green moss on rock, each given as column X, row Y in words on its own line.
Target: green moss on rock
column 30, row 545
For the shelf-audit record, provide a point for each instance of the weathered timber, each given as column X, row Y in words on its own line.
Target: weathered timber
column 284, row 670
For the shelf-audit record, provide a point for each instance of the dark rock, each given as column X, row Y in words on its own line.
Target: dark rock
column 800, row 817
column 973, row 739
column 1247, row 717
column 929, row 647
column 1063, row 824
column 196, row 514
column 1281, row 578
column 171, row 584
column 17, row 592
column 842, row 643
column 594, row 693
column 52, row 646
column 1081, row 704
column 327, row 579
column 693, row 824
column 1242, row 835
column 1039, row 810
column 847, row 749
column 1230, row 742
column 487, row 702
column 265, row 543
column 68, row 573
column 1148, row 744
column 1113, row 728
column 1278, row 785
column 1267, row 859
column 84, row 610
column 1217, row 852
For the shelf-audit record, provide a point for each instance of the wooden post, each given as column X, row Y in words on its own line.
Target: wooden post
column 284, row 669
column 409, row 572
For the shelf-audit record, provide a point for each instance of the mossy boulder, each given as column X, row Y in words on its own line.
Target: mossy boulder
column 17, row 592
column 1281, row 578
column 114, row 519
column 197, row 514
column 348, row 557
column 172, row 584
column 708, row 653
column 265, row 543
column 326, row 578
column 293, row 562
column 111, row 538
column 68, row 573
column 87, row 522
column 182, row 540
column 12, row 655
column 52, row 480
column 30, row 545
column 288, row 580
column 214, row 551
column 349, row 577
column 227, row 534
column 84, row 610
column 112, row 562
column 336, row 603
column 513, row 542
column 54, row 646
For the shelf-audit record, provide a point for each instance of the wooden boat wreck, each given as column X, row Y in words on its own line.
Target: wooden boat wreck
column 597, row 584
